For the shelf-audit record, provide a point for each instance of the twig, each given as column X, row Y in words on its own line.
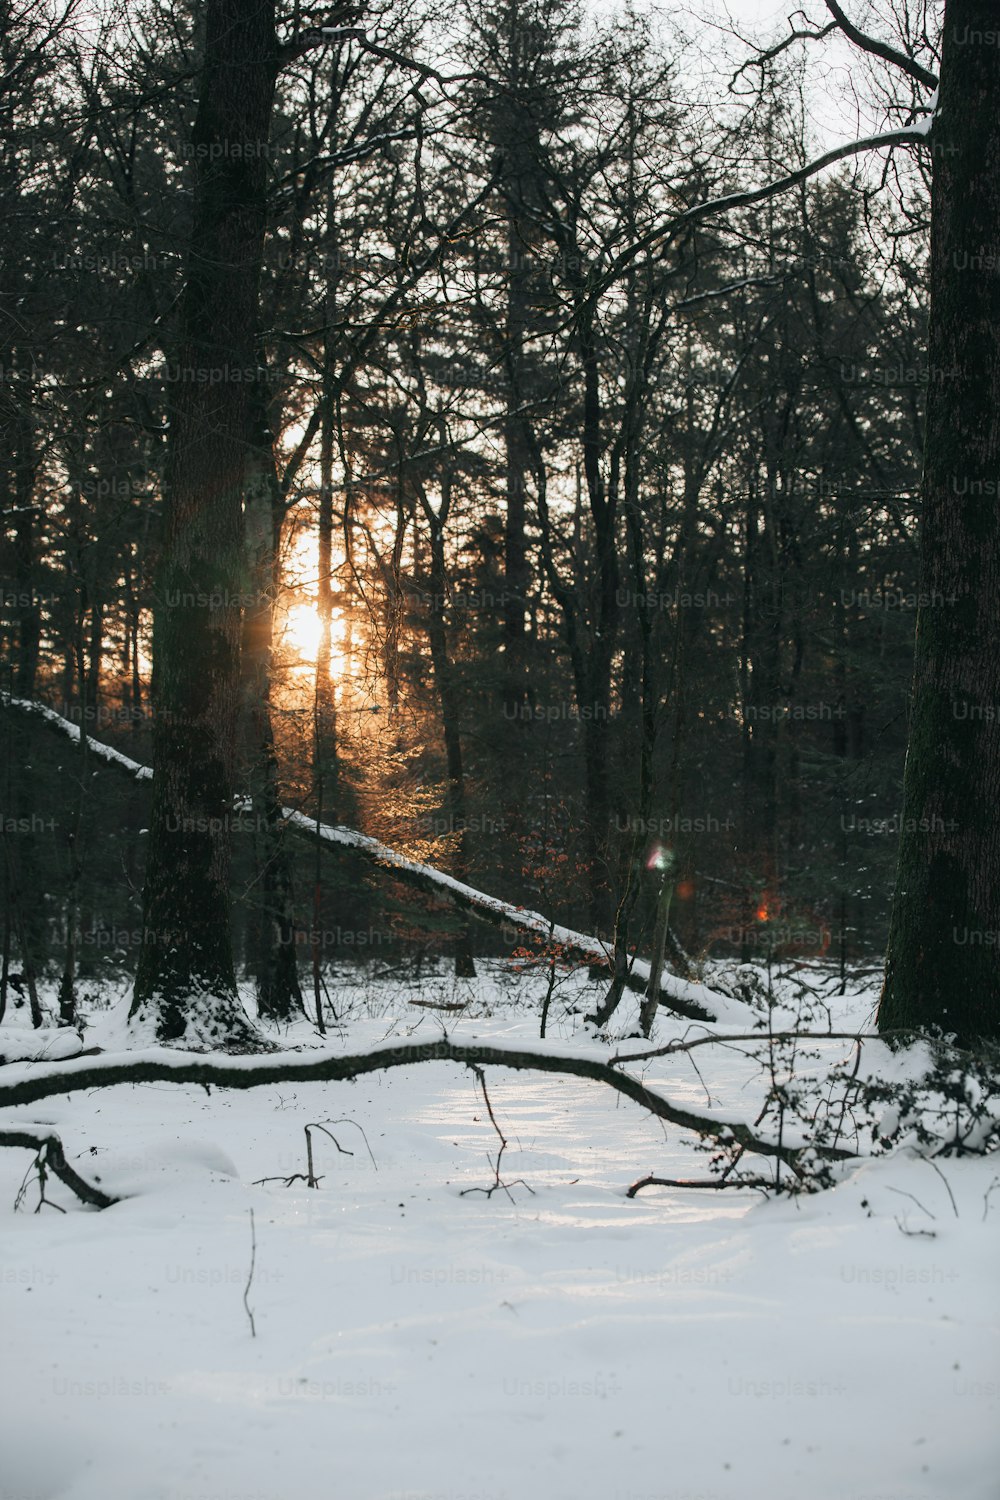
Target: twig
column 37, row 1165
column 916, row 1234
column 698, row 1182
column 295, row 1177
column 253, row 1262
column 947, row 1184
column 904, row 1194
column 309, row 1177
column 506, row 1186
column 684, row 1044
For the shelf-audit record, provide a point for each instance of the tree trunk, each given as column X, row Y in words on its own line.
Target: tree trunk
column 444, row 674
column 29, row 625
column 279, row 996
column 941, row 965
column 185, row 984
column 515, row 589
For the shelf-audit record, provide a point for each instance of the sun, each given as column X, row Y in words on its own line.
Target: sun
column 302, row 633
column 299, row 631
column 300, row 636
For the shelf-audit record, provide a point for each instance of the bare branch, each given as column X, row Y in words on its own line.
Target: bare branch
column 51, row 1156
column 312, row 37
column 699, row 1182
column 725, row 291
column 246, row 1289
column 249, row 1071
column 688, row 1045
column 888, row 54
column 761, row 59
column 497, row 1185
column 663, row 236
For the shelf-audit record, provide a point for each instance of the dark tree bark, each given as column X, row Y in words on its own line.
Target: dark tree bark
column 185, row 983
column 29, row 626
column 272, row 938
column 942, row 965
column 448, row 697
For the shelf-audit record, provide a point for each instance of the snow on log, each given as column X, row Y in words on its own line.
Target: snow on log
column 24, row 1083
column 695, row 1001
column 73, row 731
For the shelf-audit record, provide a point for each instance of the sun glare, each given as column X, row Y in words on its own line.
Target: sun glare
column 299, row 629
column 302, row 633
column 300, row 638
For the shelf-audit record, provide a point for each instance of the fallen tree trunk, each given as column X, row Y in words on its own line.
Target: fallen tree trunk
column 250, row 1071
column 695, row 1001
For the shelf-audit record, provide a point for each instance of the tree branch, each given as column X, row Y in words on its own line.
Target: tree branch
column 250, row 1071
column 716, row 1183
column 51, row 1156
column 664, row 235
column 888, row 54
column 769, row 54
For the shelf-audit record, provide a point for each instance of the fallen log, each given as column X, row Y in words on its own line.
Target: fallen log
column 32, row 1082
column 684, row 997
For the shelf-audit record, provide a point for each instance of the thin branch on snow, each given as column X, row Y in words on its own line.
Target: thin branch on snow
column 497, row 1184
column 716, row 1183
column 947, row 1185
column 246, row 1289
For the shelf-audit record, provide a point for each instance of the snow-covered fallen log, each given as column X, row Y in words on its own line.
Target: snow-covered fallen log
column 26, row 1083
column 686, row 998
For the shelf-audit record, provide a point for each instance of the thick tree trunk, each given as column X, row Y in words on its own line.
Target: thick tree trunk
column 185, row 983
column 942, row 963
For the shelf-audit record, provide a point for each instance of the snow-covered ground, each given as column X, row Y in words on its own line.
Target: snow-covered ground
column 560, row 1342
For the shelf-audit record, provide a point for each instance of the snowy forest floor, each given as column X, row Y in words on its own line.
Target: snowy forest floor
column 557, row 1341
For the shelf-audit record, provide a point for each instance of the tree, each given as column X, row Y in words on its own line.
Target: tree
column 941, row 964
column 185, row 984
column 641, row 372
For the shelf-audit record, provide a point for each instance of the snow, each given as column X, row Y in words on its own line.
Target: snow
column 562, row 1342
